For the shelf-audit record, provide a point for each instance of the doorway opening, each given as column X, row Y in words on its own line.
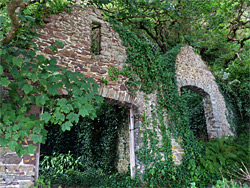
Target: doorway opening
column 91, row 150
column 194, row 98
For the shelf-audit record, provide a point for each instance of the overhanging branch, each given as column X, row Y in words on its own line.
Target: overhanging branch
column 11, row 8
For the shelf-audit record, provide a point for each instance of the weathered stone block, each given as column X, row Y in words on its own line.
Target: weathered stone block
column 10, row 158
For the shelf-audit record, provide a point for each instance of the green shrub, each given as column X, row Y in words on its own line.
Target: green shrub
column 60, row 164
column 221, row 156
column 228, row 184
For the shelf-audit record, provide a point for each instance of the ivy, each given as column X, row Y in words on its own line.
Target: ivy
column 151, row 72
column 31, row 79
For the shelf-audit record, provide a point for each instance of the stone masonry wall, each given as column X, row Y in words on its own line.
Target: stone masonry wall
column 123, row 149
column 16, row 171
column 74, row 30
column 192, row 73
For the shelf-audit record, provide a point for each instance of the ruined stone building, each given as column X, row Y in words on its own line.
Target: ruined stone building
column 75, row 30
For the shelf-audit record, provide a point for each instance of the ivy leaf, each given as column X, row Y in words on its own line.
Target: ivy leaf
column 34, row 77
column 4, row 82
column 12, row 145
column 73, row 117
column 46, row 117
column 29, row 149
column 30, row 18
column 53, row 89
column 83, row 112
column 17, row 61
column 66, row 126
column 27, row 88
column 27, row 12
column 59, row 43
column 62, row 102
column 67, row 108
column 3, row 142
column 60, row 116
column 98, row 99
column 77, row 91
column 2, row 51
column 40, row 58
column 15, row 137
column 37, row 138
column 41, row 99
column 2, row 20
column 89, row 96
column 86, row 86
column 1, row 70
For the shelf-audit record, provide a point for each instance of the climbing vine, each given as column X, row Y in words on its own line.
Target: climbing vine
column 28, row 79
column 151, row 72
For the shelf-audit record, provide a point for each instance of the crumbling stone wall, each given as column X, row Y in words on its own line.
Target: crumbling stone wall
column 74, row 30
column 123, row 150
column 192, row 73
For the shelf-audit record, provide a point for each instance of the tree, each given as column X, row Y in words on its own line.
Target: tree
column 32, row 80
column 218, row 29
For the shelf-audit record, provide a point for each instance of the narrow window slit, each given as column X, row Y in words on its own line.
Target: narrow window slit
column 96, row 39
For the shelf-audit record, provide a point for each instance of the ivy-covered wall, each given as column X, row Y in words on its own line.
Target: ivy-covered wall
column 192, row 73
column 74, row 30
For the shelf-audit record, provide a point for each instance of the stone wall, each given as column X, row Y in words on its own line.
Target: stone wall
column 16, row 171
column 74, row 30
column 123, row 149
column 192, row 73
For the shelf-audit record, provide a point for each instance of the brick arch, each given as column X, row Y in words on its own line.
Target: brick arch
column 192, row 73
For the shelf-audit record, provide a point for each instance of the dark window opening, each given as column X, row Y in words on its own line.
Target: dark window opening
column 96, row 39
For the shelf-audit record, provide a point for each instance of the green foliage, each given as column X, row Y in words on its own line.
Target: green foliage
column 57, row 6
column 113, row 73
column 32, row 79
column 58, row 164
column 41, row 182
column 104, row 81
column 149, row 73
column 219, row 29
column 196, row 114
column 92, row 145
column 222, row 156
column 228, row 184
column 224, row 184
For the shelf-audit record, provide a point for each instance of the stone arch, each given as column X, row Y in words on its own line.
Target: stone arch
column 192, row 73
column 208, row 108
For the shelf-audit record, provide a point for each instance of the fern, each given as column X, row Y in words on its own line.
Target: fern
column 221, row 155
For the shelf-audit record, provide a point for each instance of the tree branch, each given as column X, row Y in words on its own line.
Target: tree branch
column 11, row 8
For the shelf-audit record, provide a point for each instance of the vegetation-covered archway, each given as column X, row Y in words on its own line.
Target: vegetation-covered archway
column 199, row 115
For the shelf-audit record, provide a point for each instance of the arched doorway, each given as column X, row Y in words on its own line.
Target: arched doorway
column 197, row 111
